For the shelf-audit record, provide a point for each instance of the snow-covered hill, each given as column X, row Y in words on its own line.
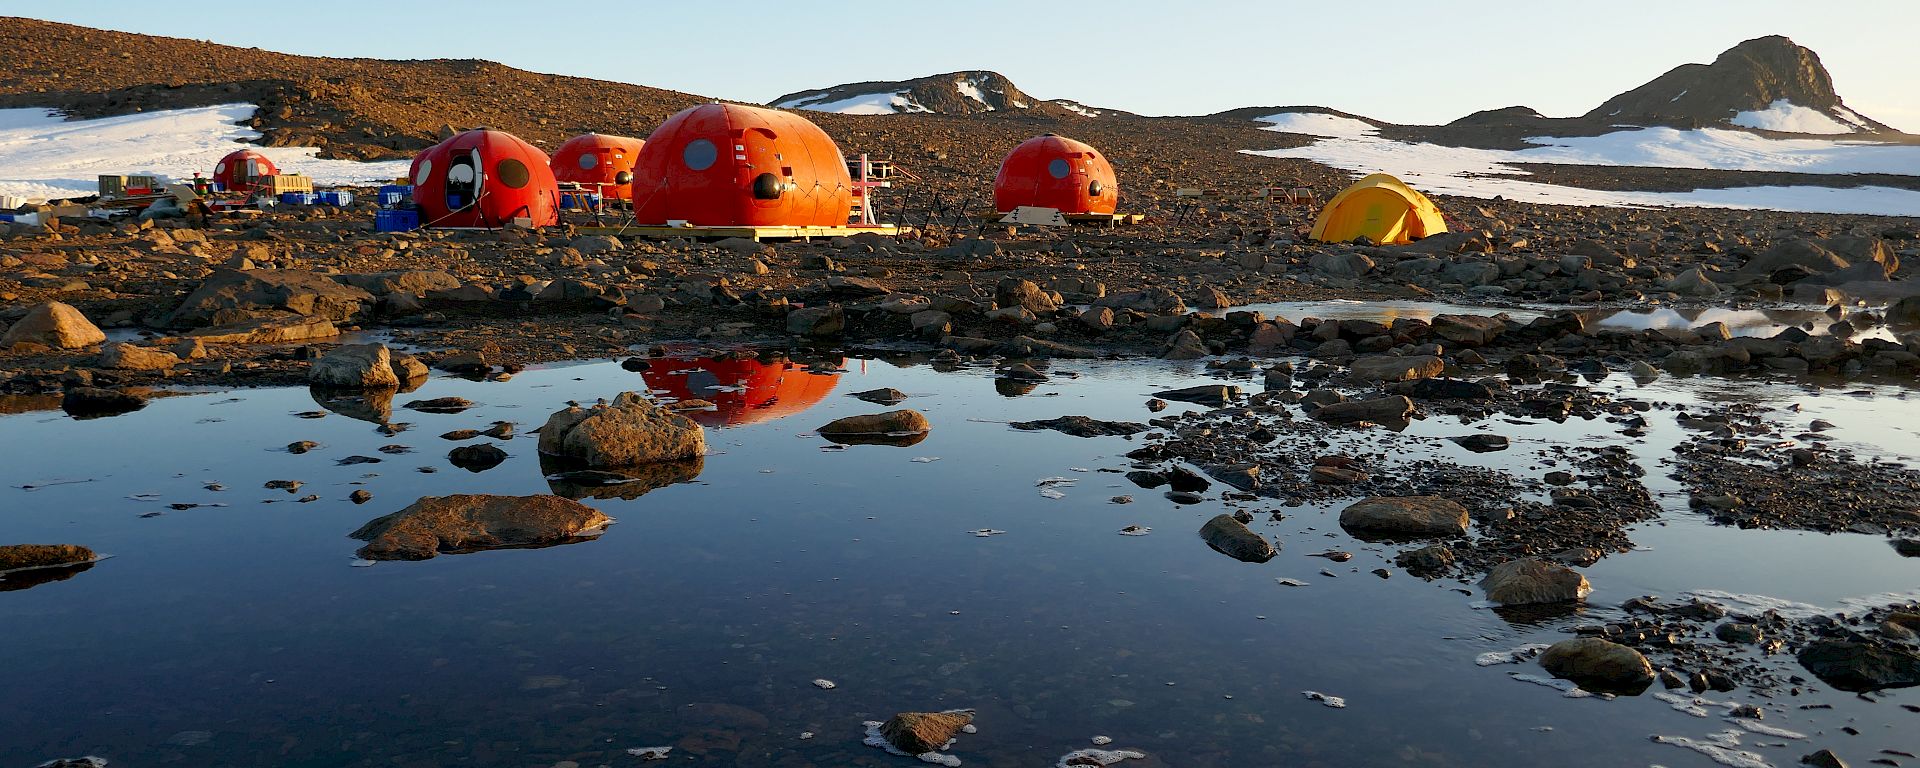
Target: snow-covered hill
column 954, row 93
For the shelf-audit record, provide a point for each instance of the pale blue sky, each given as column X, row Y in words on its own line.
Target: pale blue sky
column 1407, row 62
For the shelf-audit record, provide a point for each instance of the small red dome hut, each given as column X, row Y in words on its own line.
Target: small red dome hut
column 732, row 165
column 1056, row 172
column 599, row 163
column 484, row 179
column 242, row 170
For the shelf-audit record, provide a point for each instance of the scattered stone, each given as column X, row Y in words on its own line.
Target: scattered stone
column 1232, row 538
column 902, row 427
column 883, row 396
column 1598, row 665
column 1416, row 516
column 477, row 458
column 468, row 522
column 1529, row 581
column 1083, row 426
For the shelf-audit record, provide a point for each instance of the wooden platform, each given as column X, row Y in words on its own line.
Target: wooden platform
column 750, row 233
column 1080, row 219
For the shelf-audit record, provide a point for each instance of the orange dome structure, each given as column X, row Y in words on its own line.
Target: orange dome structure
column 747, row 390
column 484, row 179
column 1056, row 172
column 731, row 165
column 598, row 163
column 242, row 170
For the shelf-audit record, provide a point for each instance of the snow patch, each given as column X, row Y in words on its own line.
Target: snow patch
column 1077, row 108
column 1486, row 173
column 884, row 103
column 971, row 89
column 43, row 156
column 1787, row 117
column 1319, row 124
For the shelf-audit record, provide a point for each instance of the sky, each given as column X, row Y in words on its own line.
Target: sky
column 1393, row 60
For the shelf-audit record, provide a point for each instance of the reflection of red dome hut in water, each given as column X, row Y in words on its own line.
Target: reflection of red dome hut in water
column 730, row 165
column 484, row 179
column 598, row 163
column 242, row 170
column 1056, row 172
column 747, row 390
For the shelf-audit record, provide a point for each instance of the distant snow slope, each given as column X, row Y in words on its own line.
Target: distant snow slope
column 883, row 103
column 1319, row 124
column 1787, row 117
column 43, row 156
column 1486, row 173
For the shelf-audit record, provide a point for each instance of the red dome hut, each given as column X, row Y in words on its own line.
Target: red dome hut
column 242, row 170
column 484, row 179
column 1056, row 172
column 732, row 165
column 598, row 163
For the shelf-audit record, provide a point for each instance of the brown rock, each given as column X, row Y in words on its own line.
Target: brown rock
column 631, row 430
column 1529, row 580
column 55, row 325
column 461, row 523
column 17, row 556
column 1418, row 516
column 128, row 357
column 917, row 733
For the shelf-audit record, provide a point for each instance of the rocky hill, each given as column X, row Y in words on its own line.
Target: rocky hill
column 355, row 108
column 1768, row 83
column 953, row 93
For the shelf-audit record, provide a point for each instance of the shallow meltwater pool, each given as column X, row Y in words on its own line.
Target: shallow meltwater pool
column 232, row 624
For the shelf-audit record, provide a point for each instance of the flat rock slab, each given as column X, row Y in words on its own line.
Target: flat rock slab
column 1084, row 426
column 1232, row 538
column 1412, row 516
column 469, row 522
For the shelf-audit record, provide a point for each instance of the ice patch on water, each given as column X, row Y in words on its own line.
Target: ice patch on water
column 1566, row 687
column 1049, row 486
column 650, row 753
column 1756, row 604
column 825, row 684
column 1514, row 656
column 1335, row 702
column 77, row 762
column 985, row 532
column 925, row 459
column 1102, row 757
column 1755, row 726
column 1722, row 748
column 1692, row 705
column 1286, row 582
column 1101, row 741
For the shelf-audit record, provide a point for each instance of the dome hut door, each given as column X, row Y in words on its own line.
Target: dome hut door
column 465, row 179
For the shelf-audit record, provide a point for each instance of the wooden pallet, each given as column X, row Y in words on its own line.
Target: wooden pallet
column 749, row 233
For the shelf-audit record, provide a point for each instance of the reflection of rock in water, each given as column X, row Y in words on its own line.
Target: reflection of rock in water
column 1014, row 387
column 898, row 441
column 19, row 580
column 1539, row 614
column 12, row 404
column 574, row 481
column 373, row 405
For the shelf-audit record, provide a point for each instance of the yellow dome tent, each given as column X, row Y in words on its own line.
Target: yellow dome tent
column 1383, row 209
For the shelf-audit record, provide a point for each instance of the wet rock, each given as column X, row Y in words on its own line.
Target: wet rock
column 360, row 496
column 55, row 325
column 230, row 296
column 631, row 430
column 1245, row 477
column 1481, row 443
column 817, row 322
column 301, row 446
column 1380, row 410
column 1215, row 395
column 355, row 366
column 1393, row 368
column 1183, row 479
column 1860, row 667
column 1415, row 516
column 1186, row 345
column 1824, row 759
column 17, row 556
column 1232, row 538
column 1019, row 372
column 1426, row 562
column 1147, row 479
column 883, row 396
column 902, row 427
column 1529, row 581
column 268, row 330
column 477, row 458
column 462, row 523
column 93, row 402
column 1598, row 665
column 128, row 357
column 439, row 405
column 1739, row 633
column 1083, row 426
column 1323, row 474
column 1443, row 389
column 917, row 733
column 1693, row 283
column 1015, row 292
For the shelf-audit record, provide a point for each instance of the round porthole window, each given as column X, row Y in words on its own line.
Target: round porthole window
column 426, row 170
column 221, row 168
column 512, row 173
column 460, row 173
column 700, row 154
column 588, row 161
column 1058, row 168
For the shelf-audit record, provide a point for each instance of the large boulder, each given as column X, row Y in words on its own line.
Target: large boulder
column 1395, row 368
column 1411, row 516
column 1015, row 292
column 631, row 430
column 128, row 357
column 55, row 325
column 1693, row 283
column 412, row 282
column 1152, row 301
column 231, row 296
column 1860, row 667
column 1598, row 665
column 1528, row 581
column 1380, row 410
column 917, row 733
column 817, row 322
column 355, row 366
column 467, row 522
column 1234, row 539
column 1344, row 265
column 1214, row 395
column 1467, row 331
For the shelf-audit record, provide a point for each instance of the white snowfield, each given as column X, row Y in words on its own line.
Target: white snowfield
column 43, row 156
column 1787, row 117
column 1486, row 173
column 884, row 103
